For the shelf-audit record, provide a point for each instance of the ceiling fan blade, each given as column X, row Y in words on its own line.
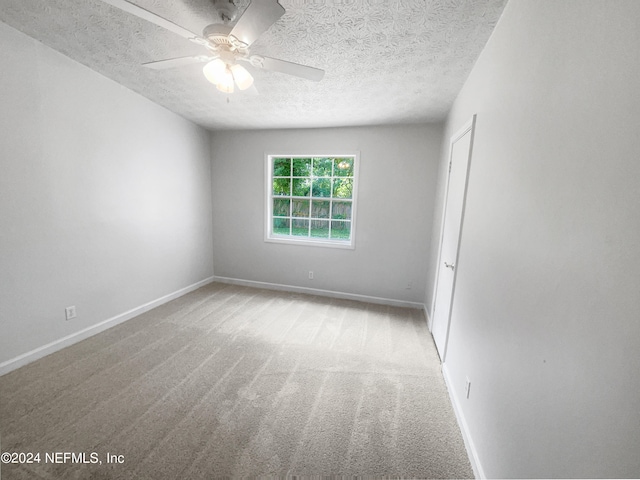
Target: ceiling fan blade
column 290, row 68
column 177, row 62
column 256, row 19
column 145, row 14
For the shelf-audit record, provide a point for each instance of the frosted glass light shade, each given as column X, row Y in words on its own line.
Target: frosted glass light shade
column 242, row 77
column 215, row 71
column 226, row 82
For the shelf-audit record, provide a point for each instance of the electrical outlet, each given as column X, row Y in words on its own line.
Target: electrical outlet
column 70, row 312
column 409, row 286
column 467, row 387
column 310, row 274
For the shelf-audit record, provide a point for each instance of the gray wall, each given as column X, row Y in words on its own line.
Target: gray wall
column 546, row 318
column 105, row 198
column 398, row 167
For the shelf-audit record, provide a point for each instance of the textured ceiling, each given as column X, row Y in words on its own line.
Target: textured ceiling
column 386, row 61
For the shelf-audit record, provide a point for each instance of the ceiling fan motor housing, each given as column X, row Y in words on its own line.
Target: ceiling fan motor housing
column 217, row 34
column 220, row 41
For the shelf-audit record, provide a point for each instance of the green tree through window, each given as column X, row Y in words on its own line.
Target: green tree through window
column 311, row 198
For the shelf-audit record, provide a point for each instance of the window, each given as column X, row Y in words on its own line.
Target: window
column 311, row 199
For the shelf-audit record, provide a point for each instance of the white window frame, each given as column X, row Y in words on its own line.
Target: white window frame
column 269, row 236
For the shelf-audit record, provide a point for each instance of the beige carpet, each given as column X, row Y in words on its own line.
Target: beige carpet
column 235, row 381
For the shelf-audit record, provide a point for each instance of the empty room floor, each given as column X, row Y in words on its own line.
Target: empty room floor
column 237, row 381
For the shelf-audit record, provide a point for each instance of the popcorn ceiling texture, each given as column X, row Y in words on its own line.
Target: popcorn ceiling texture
column 386, row 61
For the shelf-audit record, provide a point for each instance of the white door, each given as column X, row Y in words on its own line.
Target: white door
column 459, row 156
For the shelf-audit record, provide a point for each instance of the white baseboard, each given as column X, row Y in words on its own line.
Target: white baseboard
column 319, row 292
column 427, row 316
column 466, row 435
column 25, row 358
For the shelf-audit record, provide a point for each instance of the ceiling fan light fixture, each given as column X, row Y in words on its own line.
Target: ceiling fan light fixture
column 215, row 71
column 242, row 77
column 225, row 83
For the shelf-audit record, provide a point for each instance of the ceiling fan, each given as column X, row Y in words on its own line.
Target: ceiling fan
column 227, row 45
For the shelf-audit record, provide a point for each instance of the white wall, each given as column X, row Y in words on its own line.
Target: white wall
column 546, row 318
column 398, row 167
column 105, row 198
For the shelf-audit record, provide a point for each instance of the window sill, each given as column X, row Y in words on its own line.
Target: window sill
column 311, row 242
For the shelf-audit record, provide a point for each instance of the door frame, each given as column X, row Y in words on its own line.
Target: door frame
column 469, row 126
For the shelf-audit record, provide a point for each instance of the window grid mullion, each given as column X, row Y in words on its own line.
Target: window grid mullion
column 333, row 176
column 310, row 196
column 290, row 196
